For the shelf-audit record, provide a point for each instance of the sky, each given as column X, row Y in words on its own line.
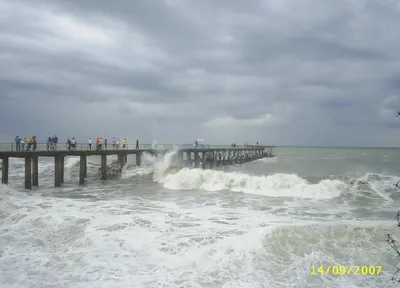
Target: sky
column 278, row 72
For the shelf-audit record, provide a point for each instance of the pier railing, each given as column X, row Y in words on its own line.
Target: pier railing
column 12, row 146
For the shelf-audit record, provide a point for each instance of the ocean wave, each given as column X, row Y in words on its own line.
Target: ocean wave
column 276, row 185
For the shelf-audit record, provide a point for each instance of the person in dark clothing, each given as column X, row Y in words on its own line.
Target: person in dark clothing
column 17, row 143
column 137, row 143
column 48, row 144
column 34, row 143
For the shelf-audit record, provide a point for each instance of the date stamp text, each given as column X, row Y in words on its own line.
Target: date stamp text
column 346, row 270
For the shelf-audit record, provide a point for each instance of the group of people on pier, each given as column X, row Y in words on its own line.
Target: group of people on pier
column 115, row 143
column 25, row 144
column 30, row 143
column 52, row 143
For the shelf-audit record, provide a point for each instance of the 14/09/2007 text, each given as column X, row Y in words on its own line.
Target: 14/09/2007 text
column 346, row 270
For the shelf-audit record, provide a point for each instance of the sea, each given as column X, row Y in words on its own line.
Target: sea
column 261, row 224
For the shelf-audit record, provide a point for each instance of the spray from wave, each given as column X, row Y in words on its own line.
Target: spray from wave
column 157, row 165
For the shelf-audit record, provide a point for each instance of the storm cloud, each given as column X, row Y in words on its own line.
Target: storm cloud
column 278, row 72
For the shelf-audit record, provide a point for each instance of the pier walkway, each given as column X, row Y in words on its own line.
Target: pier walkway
column 208, row 156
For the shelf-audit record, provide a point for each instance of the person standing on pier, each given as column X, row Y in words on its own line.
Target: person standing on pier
column 73, row 143
column 48, row 144
column 17, row 143
column 90, row 144
column 105, row 143
column 124, row 143
column 97, row 144
column 26, row 143
column 30, row 141
column 54, row 142
column 137, row 143
column 34, row 143
column 68, row 144
column 114, row 142
column 22, row 143
column 117, row 144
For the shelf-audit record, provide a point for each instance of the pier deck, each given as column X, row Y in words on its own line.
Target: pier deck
column 208, row 156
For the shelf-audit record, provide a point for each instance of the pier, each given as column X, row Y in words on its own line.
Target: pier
column 206, row 157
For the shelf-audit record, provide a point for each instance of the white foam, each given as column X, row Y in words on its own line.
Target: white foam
column 64, row 242
column 276, row 185
column 71, row 162
column 135, row 171
column 380, row 184
column 268, row 160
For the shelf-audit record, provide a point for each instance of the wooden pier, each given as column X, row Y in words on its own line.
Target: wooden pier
column 208, row 157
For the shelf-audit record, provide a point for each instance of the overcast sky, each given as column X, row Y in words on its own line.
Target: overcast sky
column 280, row 72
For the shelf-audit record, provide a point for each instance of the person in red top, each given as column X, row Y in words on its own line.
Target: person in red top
column 97, row 143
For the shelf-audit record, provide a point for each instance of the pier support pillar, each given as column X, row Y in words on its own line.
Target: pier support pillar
column 196, row 160
column 35, row 171
column 203, row 160
column 28, row 172
column 189, row 158
column 180, row 157
column 57, row 171
column 82, row 170
column 104, row 166
column 4, row 171
column 62, row 160
column 121, row 160
column 138, row 159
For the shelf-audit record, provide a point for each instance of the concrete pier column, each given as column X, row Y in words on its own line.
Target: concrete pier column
column 180, row 157
column 62, row 160
column 82, row 170
column 57, row 171
column 104, row 166
column 138, row 158
column 211, row 162
column 203, row 160
column 196, row 160
column 35, row 171
column 4, row 171
column 85, row 165
column 189, row 158
column 28, row 172
column 126, row 159
column 121, row 160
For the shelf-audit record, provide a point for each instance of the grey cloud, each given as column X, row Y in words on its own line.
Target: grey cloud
column 281, row 72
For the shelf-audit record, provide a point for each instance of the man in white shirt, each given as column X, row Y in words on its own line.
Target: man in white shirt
column 90, row 144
